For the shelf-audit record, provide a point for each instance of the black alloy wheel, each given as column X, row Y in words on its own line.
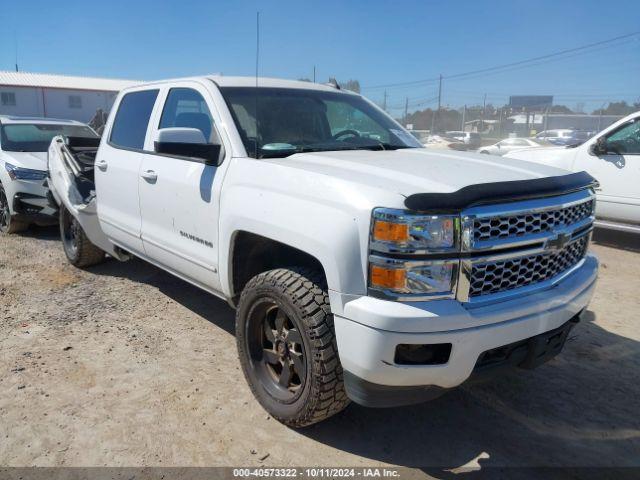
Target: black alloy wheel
column 277, row 351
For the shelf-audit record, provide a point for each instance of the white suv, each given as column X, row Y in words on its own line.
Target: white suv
column 23, row 169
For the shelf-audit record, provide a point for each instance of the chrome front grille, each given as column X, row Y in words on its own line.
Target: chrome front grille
column 490, row 228
column 503, row 275
column 516, row 248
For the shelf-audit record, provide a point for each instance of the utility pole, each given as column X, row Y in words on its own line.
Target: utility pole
column 384, row 102
column 600, row 115
column 433, row 117
column 406, row 110
column 464, row 117
column 546, row 119
column 314, row 74
column 484, row 108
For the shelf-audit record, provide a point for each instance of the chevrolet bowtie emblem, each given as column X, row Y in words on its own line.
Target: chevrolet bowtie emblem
column 559, row 242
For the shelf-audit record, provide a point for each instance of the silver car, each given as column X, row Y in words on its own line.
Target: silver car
column 510, row 144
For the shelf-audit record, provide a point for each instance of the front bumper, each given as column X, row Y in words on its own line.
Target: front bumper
column 33, row 203
column 370, row 330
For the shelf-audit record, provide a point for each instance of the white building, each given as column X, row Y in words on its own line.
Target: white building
column 57, row 96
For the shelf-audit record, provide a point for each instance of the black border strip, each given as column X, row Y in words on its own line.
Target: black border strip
column 498, row 192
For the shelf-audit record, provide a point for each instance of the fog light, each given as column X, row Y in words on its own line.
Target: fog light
column 433, row 354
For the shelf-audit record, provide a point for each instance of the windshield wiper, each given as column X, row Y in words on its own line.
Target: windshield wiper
column 389, row 146
column 309, row 149
column 301, row 149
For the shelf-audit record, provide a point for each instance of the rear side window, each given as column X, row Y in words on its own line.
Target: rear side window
column 130, row 125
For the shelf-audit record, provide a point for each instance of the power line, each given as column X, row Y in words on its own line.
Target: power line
column 507, row 65
column 544, row 57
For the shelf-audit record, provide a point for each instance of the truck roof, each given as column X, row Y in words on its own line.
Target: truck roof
column 264, row 82
column 10, row 119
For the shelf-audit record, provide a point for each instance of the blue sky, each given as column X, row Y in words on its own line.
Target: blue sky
column 376, row 42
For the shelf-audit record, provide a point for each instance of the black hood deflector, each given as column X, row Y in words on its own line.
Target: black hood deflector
column 498, row 192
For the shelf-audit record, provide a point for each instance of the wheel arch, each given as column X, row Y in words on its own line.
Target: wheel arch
column 251, row 254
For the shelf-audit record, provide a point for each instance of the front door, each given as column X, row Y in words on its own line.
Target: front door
column 178, row 200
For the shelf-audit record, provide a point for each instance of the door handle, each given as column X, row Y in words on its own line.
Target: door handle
column 149, row 175
column 102, row 165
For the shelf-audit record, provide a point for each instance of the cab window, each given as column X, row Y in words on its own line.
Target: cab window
column 185, row 107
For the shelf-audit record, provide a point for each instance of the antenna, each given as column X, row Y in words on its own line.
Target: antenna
column 15, row 43
column 257, row 67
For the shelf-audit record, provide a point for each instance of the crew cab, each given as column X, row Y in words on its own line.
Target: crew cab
column 613, row 157
column 23, row 169
column 361, row 266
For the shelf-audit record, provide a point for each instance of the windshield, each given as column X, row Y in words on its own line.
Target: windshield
column 36, row 137
column 303, row 120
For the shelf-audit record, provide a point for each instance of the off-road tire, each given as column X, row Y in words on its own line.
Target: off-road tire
column 302, row 294
column 9, row 224
column 77, row 247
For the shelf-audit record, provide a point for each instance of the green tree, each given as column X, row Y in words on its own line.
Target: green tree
column 618, row 108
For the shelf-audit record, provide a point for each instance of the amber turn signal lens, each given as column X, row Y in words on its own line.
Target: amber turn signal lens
column 388, row 278
column 390, row 232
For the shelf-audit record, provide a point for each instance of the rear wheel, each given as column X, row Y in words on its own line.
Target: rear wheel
column 77, row 247
column 8, row 224
column 287, row 346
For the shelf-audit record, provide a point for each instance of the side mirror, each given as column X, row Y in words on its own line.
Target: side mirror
column 187, row 142
column 599, row 147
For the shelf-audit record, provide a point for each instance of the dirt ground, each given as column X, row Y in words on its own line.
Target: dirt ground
column 124, row 365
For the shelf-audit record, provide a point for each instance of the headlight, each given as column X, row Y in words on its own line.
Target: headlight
column 397, row 231
column 394, row 277
column 18, row 173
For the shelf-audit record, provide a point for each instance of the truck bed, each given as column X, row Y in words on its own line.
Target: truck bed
column 78, row 156
column 72, row 184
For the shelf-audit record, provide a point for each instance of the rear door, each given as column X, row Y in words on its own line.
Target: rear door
column 117, row 169
column 180, row 202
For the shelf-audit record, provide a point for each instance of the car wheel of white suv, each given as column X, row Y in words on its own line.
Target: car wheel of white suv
column 8, row 224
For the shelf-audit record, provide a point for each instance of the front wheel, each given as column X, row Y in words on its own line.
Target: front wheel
column 287, row 346
column 8, row 224
column 77, row 247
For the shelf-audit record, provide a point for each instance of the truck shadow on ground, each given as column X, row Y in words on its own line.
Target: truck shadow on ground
column 195, row 299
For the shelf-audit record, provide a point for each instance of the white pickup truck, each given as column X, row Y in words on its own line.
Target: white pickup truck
column 361, row 266
column 612, row 156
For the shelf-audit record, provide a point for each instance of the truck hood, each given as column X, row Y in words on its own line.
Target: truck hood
column 32, row 160
column 410, row 171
